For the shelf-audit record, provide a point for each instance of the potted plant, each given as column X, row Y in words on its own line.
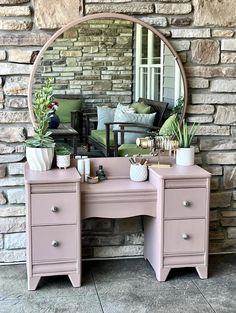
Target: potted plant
column 40, row 148
column 62, row 156
column 184, row 135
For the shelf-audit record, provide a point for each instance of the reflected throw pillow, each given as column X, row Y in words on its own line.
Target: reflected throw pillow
column 123, row 116
column 105, row 115
column 166, row 128
column 141, row 107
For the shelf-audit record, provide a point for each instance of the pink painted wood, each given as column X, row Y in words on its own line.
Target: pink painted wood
column 54, row 243
column 118, row 198
column 184, row 236
column 185, row 203
column 176, row 234
column 168, row 240
column 57, row 187
column 48, row 210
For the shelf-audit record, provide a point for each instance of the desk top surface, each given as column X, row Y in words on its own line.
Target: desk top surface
column 53, row 176
column 118, row 185
column 180, row 172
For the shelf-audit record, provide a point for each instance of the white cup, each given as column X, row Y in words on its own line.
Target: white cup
column 138, row 172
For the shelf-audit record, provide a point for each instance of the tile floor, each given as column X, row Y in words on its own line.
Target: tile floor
column 123, row 286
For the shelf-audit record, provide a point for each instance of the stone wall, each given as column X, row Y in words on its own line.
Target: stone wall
column 93, row 62
column 202, row 31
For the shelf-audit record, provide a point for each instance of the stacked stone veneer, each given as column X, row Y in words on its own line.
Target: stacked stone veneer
column 203, row 33
column 93, row 62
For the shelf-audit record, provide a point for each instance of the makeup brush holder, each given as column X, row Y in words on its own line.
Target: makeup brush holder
column 138, row 172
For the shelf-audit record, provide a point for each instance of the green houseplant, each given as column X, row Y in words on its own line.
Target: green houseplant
column 184, row 135
column 40, row 147
column 62, row 156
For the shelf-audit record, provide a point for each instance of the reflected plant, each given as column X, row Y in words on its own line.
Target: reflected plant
column 177, row 109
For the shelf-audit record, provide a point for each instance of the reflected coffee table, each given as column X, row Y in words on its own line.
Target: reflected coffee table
column 65, row 131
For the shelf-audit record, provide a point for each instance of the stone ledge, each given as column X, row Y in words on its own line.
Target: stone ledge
column 14, row 241
column 16, row 25
column 224, row 157
column 214, row 12
column 210, row 71
column 12, row 211
column 8, row 256
column 219, row 98
column 14, row 69
column 12, row 2
column 191, row 33
column 128, row 8
column 15, row 11
column 220, row 199
column 173, row 8
column 12, row 134
column 27, row 39
column 212, row 130
column 12, row 224
column 16, row 85
column 107, row 251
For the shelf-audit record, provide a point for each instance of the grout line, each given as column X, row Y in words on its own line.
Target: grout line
column 97, row 291
column 203, row 296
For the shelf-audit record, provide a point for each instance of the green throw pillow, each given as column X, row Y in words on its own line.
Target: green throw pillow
column 166, row 128
column 65, row 107
column 142, row 108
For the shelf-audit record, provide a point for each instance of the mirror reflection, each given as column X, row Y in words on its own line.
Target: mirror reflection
column 106, row 62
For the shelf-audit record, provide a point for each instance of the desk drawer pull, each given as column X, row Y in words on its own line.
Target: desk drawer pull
column 55, row 243
column 54, row 209
column 185, row 236
column 187, row 203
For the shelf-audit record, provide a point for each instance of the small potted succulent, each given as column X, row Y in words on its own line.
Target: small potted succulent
column 40, row 147
column 63, row 156
column 184, row 135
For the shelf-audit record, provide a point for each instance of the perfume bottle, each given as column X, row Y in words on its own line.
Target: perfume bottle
column 100, row 173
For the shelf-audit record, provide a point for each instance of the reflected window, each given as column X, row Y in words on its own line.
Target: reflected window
column 157, row 74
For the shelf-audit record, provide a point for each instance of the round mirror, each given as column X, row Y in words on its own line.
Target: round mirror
column 106, row 59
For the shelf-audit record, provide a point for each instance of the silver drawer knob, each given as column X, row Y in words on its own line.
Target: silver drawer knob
column 55, row 243
column 186, row 203
column 185, row 236
column 54, row 209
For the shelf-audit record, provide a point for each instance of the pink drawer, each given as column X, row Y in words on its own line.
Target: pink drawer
column 184, row 236
column 185, row 203
column 54, row 208
column 54, row 243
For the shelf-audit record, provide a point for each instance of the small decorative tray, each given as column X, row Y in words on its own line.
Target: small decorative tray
column 92, row 179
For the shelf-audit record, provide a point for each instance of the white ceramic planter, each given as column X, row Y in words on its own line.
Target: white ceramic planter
column 39, row 159
column 185, row 156
column 63, row 161
column 138, row 172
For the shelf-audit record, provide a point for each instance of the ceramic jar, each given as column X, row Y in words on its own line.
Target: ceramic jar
column 63, row 161
column 39, row 159
column 185, row 156
column 138, row 172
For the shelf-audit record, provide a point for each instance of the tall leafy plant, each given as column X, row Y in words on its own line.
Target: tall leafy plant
column 184, row 134
column 42, row 99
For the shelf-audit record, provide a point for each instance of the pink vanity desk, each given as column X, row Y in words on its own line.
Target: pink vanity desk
column 174, row 201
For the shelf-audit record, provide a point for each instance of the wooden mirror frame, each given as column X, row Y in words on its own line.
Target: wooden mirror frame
column 100, row 16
